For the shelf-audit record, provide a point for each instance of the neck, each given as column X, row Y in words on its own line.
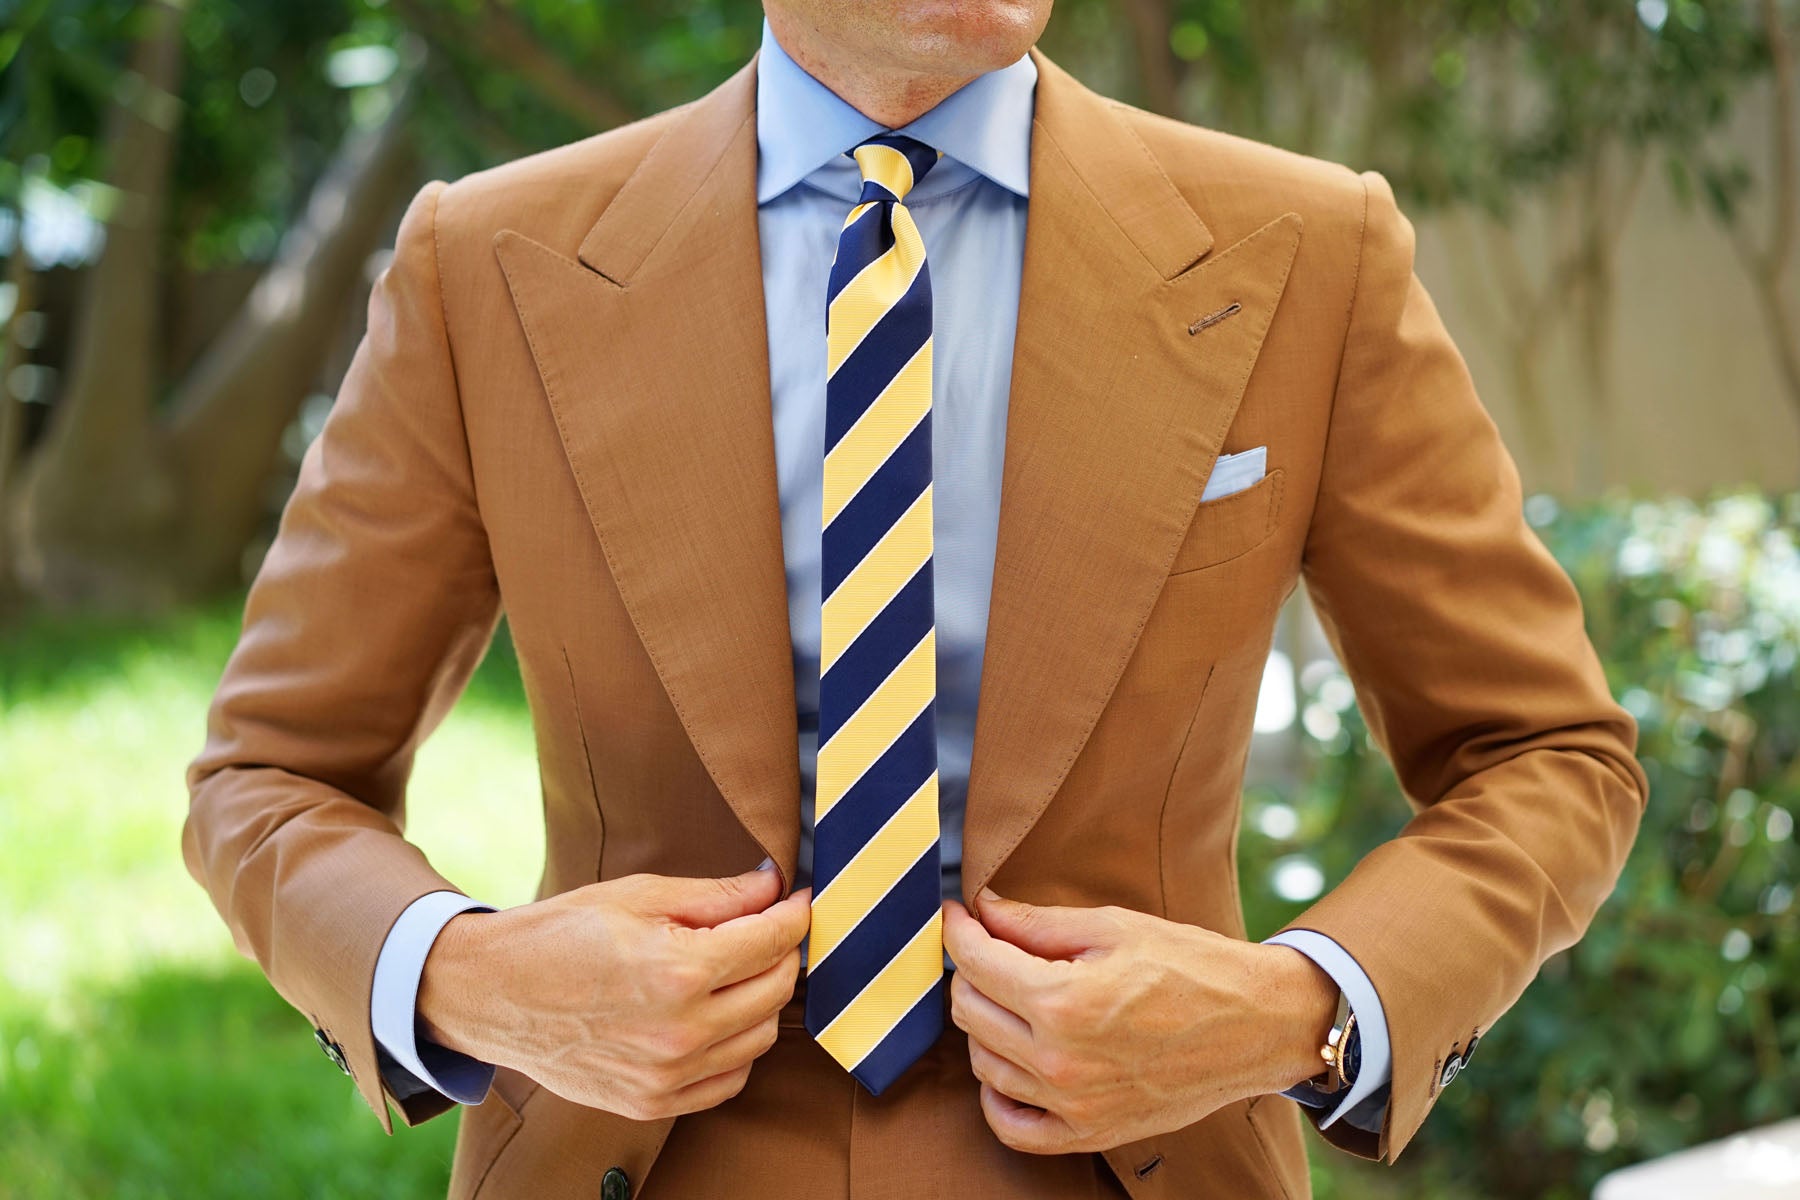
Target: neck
column 880, row 91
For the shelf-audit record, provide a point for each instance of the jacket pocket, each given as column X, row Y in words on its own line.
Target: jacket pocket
column 1229, row 526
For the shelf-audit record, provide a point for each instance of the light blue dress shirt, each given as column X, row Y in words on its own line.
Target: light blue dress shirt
column 971, row 210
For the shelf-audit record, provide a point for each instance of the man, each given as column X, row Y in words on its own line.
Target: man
column 897, row 373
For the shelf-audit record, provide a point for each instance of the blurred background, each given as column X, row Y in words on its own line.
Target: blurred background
column 195, row 198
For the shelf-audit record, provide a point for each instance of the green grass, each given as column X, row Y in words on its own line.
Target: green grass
column 140, row 1055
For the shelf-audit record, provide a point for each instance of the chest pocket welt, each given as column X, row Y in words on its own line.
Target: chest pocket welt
column 1230, row 525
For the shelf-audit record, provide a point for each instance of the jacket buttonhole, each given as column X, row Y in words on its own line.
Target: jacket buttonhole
column 1214, row 318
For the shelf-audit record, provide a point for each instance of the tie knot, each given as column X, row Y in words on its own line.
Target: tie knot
column 891, row 164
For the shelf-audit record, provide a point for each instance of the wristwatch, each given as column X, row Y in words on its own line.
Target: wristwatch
column 1342, row 1055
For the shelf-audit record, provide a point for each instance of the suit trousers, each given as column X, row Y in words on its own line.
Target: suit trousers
column 803, row 1119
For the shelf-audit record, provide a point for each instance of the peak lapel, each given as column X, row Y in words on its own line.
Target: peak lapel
column 654, row 358
column 1115, row 417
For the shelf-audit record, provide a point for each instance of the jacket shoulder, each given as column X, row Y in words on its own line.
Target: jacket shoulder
column 552, row 196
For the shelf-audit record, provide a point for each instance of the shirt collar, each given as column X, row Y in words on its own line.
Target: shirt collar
column 802, row 125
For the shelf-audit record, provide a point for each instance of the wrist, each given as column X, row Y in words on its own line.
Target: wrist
column 1305, row 1004
column 448, row 984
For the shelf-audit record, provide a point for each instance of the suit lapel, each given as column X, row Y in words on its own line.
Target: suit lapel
column 1115, row 417
column 653, row 353
column 654, row 357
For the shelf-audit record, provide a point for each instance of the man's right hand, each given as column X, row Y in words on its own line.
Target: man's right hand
column 646, row 995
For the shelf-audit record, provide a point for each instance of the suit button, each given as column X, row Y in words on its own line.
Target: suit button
column 615, row 1185
column 332, row 1050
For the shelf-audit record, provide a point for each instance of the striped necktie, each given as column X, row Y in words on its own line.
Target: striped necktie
column 875, row 968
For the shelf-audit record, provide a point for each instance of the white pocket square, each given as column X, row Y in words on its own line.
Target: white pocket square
column 1235, row 472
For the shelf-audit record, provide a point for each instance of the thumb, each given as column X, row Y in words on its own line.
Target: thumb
column 713, row 901
column 1046, row 930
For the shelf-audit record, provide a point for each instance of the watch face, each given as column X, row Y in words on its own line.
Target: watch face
column 1353, row 1054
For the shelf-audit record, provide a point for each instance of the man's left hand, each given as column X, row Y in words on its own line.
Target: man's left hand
column 1093, row 1027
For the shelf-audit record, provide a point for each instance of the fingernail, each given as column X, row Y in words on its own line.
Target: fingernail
column 988, row 893
column 767, row 864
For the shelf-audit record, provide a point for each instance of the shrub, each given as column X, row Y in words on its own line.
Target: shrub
column 1677, row 1019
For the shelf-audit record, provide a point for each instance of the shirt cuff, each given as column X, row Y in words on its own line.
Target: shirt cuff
column 1377, row 1066
column 393, row 1004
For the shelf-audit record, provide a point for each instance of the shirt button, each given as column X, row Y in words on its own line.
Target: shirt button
column 615, row 1185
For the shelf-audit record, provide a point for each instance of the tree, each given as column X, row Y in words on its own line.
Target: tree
column 223, row 143
column 141, row 492
column 281, row 136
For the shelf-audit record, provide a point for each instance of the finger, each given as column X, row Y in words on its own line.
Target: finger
column 1048, row 930
column 1007, row 1077
column 748, row 1001
column 749, row 944
column 977, row 1015
column 709, row 901
column 736, row 1050
column 708, row 1093
column 999, row 969
column 1023, row 1126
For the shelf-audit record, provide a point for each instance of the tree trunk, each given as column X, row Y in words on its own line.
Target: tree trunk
column 23, row 282
column 1150, row 22
column 131, row 505
column 229, row 414
column 95, row 498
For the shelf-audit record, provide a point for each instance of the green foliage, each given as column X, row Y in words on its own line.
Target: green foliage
column 261, row 117
column 1475, row 100
column 1677, row 1019
column 58, row 71
column 258, row 114
column 269, row 88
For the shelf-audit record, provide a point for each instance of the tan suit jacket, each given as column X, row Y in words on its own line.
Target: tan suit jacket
column 561, row 409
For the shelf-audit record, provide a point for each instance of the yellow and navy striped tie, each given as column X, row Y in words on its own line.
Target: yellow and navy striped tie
column 875, row 967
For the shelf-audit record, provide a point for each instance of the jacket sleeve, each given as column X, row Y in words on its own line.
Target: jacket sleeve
column 372, row 608
column 1466, row 645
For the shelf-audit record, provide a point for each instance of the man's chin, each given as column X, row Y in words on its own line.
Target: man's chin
column 950, row 38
